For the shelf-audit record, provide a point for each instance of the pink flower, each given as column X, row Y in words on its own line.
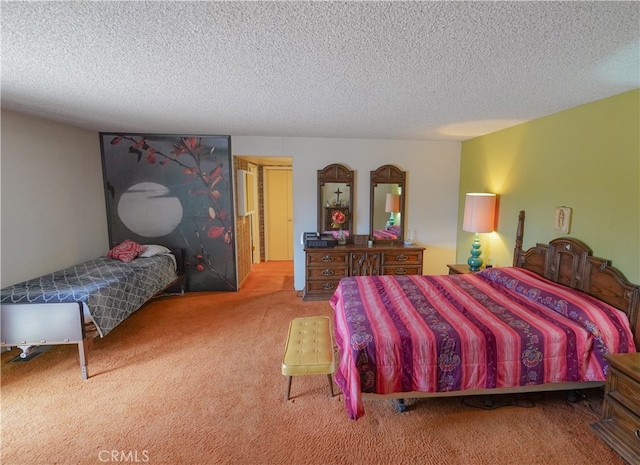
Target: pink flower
column 338, row 218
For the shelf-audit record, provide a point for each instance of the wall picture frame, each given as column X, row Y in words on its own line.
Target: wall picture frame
column 562, row 220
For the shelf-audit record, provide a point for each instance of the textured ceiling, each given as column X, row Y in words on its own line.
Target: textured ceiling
column 383, row 70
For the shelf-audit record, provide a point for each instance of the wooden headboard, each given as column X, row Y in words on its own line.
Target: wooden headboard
column 571, row 263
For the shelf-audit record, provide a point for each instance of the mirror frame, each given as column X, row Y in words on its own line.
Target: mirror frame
column 388, row 174
column 336, row 173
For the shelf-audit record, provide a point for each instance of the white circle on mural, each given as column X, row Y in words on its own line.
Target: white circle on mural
column 147, row 209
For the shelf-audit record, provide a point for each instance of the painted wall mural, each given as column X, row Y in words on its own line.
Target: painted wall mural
column 174, row 191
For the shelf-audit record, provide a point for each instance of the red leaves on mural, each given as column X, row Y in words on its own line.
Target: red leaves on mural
column 116, row 140
column 226, row 232
column 215, row 231
column 212, row 183
column 217, row 172
column 192, row 143
column 193, row 172
column 178, row 150
column 151, row 155
column 142, row 145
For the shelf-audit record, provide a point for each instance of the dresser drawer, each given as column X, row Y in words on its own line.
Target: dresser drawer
column 326, row 287
column 620, row 421
column 402, row 257
column 327, row 257
column 625, row 443
column 624, row 390
column 625, row 420
column 327, row 272
column 401, row 270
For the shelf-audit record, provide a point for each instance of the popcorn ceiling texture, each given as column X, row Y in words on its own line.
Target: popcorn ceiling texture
column 388, row 70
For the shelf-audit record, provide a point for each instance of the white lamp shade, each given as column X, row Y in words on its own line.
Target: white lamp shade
column 479, row 213
column 392, row 203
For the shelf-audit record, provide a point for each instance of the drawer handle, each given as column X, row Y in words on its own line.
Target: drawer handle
column 328, row 272
column 638, row 433
column 401, row 271
column 328, row 286
column 327, row 259
column 401, row 258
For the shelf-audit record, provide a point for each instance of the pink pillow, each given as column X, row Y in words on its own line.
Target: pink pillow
column 126, row 251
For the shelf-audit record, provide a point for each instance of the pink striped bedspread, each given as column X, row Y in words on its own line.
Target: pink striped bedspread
column 498, row 328
column 392, row 233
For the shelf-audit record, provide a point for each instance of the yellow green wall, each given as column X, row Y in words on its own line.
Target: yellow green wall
column 586, row 158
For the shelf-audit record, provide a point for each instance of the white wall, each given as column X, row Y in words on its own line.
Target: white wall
column 433, row 170
column 53, row 208
column 52, row 197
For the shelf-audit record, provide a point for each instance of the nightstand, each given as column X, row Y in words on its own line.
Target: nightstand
column 459, row 269
column 619, row 425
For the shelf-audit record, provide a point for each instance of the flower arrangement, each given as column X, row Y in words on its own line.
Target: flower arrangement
column 338, row 218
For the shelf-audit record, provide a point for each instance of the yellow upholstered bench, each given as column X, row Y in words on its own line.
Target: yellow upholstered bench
column 309, row 349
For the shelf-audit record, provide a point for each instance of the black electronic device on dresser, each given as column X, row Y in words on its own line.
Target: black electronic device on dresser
column 314, row 240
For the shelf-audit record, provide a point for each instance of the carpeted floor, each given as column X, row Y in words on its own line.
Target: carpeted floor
column 196, row 380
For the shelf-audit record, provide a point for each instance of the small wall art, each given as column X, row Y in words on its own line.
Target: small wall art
column 562, row 222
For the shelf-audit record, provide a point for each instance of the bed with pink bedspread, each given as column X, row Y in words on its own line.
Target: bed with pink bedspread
column 500, row 330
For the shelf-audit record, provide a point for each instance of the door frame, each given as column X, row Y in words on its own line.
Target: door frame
column 254, row 217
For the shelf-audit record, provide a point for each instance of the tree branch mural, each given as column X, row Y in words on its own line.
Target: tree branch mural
column 178, row 191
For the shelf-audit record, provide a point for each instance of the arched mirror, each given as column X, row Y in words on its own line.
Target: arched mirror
column 387, row 218
column 335, row 200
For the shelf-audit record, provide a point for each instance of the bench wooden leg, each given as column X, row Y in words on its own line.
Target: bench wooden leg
column 289, row 386
column 330, row 384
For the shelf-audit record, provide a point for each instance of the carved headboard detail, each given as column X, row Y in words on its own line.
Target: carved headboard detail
column 570, row 262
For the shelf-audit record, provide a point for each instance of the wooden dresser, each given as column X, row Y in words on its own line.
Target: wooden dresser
column 620, row 422
column 326, row 266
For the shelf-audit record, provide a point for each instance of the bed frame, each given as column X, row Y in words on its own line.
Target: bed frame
column 27, row 326
column 569, row 262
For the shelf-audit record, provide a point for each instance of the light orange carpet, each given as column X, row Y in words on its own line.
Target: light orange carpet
column 196, row 380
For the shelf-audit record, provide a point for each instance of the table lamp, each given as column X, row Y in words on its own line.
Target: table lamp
column 391, row 206
column 479, row 217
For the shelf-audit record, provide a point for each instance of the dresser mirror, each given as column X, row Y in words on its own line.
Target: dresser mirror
column 335, row 201
column 387, row 218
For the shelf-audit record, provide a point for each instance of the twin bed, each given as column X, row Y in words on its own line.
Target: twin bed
column 543, row 324
column 73, row 305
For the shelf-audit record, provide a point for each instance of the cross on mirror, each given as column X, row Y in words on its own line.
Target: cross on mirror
column 338, row 192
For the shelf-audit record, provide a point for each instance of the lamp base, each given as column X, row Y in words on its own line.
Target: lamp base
column 474, row 261
column 390, row 222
